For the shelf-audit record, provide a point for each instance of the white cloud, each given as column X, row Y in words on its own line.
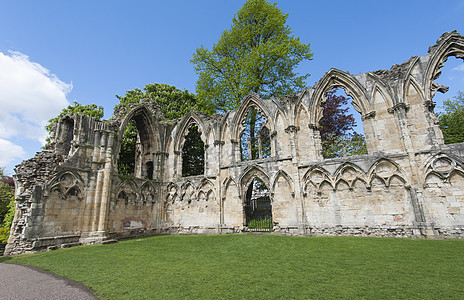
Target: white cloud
column 10, row 152
column 459, row 68
column 29, row 96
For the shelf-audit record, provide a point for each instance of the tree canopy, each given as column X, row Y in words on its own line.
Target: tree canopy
column 173, row 102
column 337, row 129
column 91, row 110
column 6, row 205
column 452, row 120
column 257, row 54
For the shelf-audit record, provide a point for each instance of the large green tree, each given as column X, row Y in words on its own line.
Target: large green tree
column 174, row 104
column 452, row 120
column 257, row 54
column 6, row 205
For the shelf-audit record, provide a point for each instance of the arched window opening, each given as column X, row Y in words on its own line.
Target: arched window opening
column 255, row 141
column 138, row 146
column 193, row 153
column 149, row 170
column 258, row 207
column 122, row 196
column 448, row 105
column 126, row 162
column 69, row 123
column 341, row 128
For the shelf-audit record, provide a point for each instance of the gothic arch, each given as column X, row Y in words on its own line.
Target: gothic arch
column 385, row 169
column 61, row 176
column 145, row 125
column 251, row 100
column 449, row 44
column 384, row 89
column 316, row 176
column 385, row 93
column 349, row 173
column 66, row 181
column 205, row 183
column 210, row 135
column 275, row 178
column 227, row 182
column 411, row 81
column 299, row 109
column 191, row 119
column 336, row 78
column 443, row 166
column 280, row 113
column 249, row 174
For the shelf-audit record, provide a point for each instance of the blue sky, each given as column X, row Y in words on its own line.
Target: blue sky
column 55, row 52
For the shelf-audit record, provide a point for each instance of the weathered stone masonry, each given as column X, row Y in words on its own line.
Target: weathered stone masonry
column 410, row 183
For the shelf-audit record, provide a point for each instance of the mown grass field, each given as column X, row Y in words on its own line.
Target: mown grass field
column 263, row 266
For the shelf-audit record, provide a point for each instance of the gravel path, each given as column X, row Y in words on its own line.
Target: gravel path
column 23, row 282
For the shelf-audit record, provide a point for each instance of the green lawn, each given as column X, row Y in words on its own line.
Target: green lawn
column 263, row 266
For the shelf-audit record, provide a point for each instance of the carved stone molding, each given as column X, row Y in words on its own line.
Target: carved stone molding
column 313, row 126
column 369, row 115
column 430, row 105
column 160, row 153
column 292, row 129
column 398, row 107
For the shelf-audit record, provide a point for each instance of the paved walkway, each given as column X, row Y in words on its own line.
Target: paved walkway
column 21, row 282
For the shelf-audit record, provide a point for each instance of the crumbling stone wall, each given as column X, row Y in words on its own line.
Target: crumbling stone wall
column 409, row 183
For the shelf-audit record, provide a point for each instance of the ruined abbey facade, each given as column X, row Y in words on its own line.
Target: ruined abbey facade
column 409, row 184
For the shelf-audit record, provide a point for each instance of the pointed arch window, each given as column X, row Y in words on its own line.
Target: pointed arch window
column 341, row 127
column 255, row 141
column 193, row 153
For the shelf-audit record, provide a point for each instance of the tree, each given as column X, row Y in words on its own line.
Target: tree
column 174, row 104
column 452, row 120
column 337, row 129
column 90, row 110
column 6, row 205
column 257, row 54
column 193, row 153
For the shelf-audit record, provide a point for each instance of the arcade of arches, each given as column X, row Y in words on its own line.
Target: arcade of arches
column 264, row 159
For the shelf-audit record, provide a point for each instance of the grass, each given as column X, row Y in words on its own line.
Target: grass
column 263, row 266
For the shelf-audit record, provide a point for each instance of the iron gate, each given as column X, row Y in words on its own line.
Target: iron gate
column 258, row 213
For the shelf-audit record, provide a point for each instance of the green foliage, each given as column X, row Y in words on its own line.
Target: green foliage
column 262, row 267
column 173, row 102
column 337, row 129
column 7, row 205
column 344, row 145
column 193, row 153
column 6, row 193
column 452, row 121
column 126, row 162
column 90, row 110
column 254, row 131
column 7, row 221
column 257, row 54
column 260, row 223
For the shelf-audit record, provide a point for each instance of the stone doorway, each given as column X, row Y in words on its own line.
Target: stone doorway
column 258, row 207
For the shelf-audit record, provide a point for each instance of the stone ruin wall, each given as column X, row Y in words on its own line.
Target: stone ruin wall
column 410, row 184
